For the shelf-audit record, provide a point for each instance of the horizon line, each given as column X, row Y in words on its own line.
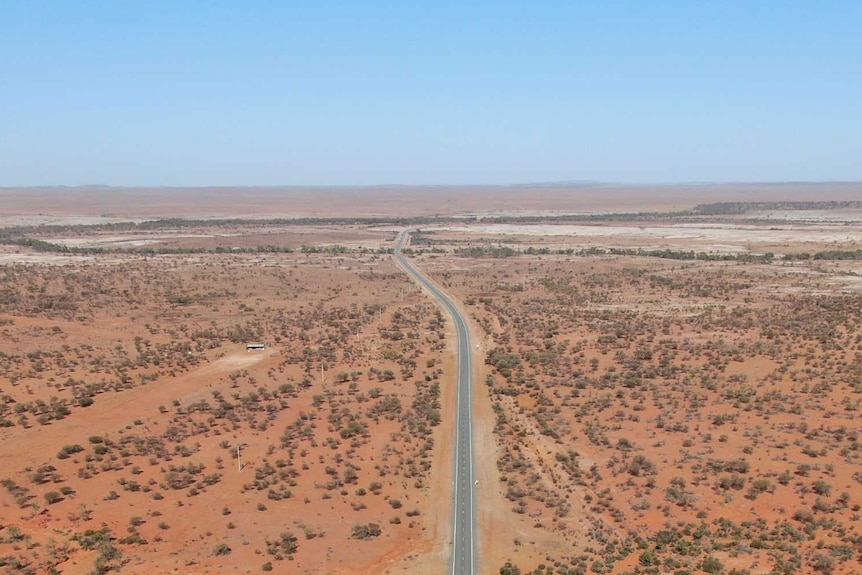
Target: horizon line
column 548, row 184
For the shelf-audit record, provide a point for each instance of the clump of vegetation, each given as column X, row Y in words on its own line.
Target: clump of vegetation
column 286, row 545
column 366, row 531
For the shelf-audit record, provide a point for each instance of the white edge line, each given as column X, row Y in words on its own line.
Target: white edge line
column 469, row 362
column 457, row 465
column 461, row 326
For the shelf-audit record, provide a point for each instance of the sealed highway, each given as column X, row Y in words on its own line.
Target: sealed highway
column 464, row 530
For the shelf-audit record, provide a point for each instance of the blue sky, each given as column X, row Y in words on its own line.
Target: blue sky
column 213, row 92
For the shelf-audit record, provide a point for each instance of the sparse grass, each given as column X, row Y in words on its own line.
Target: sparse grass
column 638, row 398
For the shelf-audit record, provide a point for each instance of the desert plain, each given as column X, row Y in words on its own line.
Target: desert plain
column 667, row 379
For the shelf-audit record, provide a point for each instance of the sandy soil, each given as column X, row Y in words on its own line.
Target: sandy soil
column 723, row 238
column 158, row 372
column 713, row 232
column 685, row 391
column 615, row 395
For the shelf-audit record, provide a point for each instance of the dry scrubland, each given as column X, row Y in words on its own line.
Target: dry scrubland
column 670, row 410
column 664, row 393
column 126, row 389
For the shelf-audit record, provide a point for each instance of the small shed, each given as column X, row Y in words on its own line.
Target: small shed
column 255, row 345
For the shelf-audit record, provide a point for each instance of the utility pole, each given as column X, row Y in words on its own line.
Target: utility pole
column 238, row 462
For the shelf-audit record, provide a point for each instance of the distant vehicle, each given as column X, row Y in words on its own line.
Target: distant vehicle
column 252, row 346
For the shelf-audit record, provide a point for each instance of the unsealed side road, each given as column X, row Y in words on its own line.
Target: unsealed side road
column 464, row 531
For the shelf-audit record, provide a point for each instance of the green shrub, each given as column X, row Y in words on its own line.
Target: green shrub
column 366, row 531
column 222, row 549
column 53, row 497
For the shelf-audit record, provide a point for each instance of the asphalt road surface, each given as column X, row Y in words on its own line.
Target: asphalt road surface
column 464, row 530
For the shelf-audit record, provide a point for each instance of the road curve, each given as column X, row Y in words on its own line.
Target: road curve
column 464, row 530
